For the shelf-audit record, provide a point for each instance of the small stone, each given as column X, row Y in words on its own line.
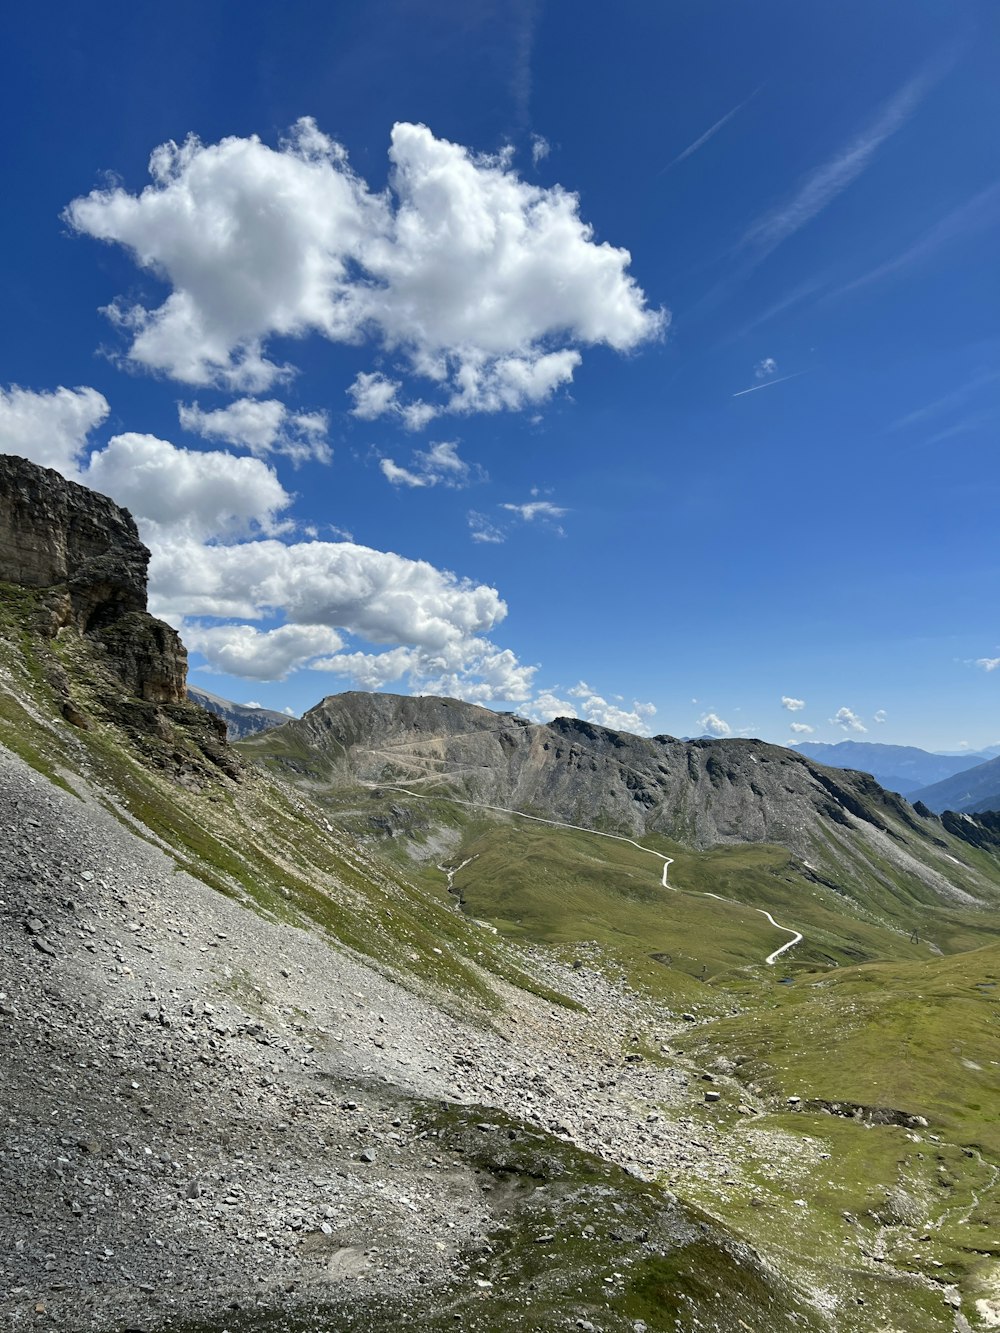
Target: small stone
column 712, row 1096
column 368, row 1155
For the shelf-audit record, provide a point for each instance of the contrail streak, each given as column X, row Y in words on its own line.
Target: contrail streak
column 704, row 138
column 768, row 384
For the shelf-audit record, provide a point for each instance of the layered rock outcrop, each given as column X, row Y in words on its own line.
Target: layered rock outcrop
column 83, row 553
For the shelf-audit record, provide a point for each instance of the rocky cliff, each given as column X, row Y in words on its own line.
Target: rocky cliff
column 73, row 614
column 82, row 553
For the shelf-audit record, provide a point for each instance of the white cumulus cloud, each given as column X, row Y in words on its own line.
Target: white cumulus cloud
column 255, row 654
column 472, row 669
column 766, row 368
column 255, row 603
column 881, row 716
column 847, row 720
column 714, row 725
column 988, row 663
column 264, row 426
column 793, row 705
column 802, row 728
column 485, row 285
column 535, row 509
column 438, row 465
column 50, row 428
column 183, row 494
column 593, row 707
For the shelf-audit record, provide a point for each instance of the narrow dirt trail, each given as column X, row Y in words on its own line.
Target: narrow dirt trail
column 596, row 833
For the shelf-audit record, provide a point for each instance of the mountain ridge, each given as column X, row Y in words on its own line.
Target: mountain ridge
column 701, row 794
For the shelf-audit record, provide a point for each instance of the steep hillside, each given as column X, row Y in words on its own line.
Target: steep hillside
column 974, row 790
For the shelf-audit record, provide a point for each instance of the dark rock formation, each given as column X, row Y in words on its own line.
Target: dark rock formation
column 82, row 551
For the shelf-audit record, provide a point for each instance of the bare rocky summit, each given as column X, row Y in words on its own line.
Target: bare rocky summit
column 702, row 792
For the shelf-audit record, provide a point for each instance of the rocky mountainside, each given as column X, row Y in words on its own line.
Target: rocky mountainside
column 699, row 793
column 241, row 720
column 902, row 768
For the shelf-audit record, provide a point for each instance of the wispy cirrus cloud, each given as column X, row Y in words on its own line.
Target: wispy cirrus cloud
column 541, row 513
column 483, row 530
column 980, row 213
column 954, row 398
column 821, row 186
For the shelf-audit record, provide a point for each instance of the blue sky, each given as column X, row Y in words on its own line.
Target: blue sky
column 641, row 365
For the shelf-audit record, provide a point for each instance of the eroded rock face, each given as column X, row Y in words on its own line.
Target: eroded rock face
column 83, row 551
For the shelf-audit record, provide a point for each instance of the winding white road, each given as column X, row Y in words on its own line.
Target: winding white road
column 596, row 833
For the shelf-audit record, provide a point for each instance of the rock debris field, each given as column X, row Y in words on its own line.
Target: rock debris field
column 202, row 1110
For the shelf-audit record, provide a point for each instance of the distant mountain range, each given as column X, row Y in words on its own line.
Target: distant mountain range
column 901, row 768
column 969, row 792
column 241, row 719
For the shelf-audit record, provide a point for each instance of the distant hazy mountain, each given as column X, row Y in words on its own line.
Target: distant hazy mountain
column 969, row 792
column 902, row 768
column 240, row 719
